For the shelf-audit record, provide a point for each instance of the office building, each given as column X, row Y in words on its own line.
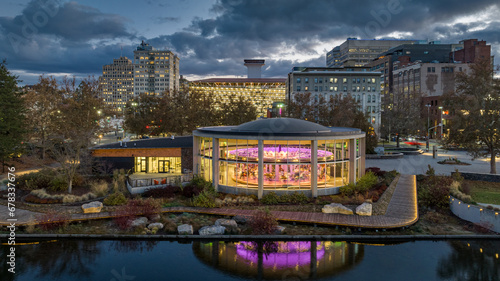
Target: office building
column 155, row 71
column 117, row 83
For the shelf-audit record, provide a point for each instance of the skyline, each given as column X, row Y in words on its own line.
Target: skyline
column 212, row 38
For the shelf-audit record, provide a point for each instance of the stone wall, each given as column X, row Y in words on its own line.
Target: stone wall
column 479, row 177
column 476, row 214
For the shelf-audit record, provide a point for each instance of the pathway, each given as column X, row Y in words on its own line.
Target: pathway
column 401, row 211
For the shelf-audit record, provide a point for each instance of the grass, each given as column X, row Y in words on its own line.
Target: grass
column 485, row 192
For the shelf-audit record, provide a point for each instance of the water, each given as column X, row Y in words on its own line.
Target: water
column 326, row 260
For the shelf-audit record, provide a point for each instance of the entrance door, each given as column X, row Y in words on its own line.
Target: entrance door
column 163, row 166
column 143, row 167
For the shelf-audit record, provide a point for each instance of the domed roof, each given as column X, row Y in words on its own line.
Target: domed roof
column 281, row 126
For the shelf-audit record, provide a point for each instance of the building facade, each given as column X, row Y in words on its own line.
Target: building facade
column 261, row 92
column 291, row 155
column 117, row 83
column 359, row 82
column 358, row 52
column 155, row 71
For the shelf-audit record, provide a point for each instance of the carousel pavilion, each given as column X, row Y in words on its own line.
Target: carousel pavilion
column 282, row 155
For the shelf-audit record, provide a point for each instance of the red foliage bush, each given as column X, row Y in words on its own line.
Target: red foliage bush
column 190, row 191
column 52, row 220
column 263, row 222
column 30, row 198
column 136, row 207
column 162, row 192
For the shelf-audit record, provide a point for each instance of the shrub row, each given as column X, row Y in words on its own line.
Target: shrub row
column 65, row 198
column 272, row 198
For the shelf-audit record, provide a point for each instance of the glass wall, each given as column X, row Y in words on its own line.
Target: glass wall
column 286, row 164
column 158, row 165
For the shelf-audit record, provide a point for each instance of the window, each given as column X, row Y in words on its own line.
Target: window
column 369, row 98
column 353, row 88
column 315, row 80
column 369, row 88
column 358, row 80
column 298, row 80
column 335, row 89
column 373, row 80
column 345, row 88
column 426, row 52
column 306, row 80
column 331, row 88
column 333, row 80
column 298, row 88
column 368, row 108
column 344, row 80
column 321, row 88
column 357, row 88
column 364, row 80
column 353, row 80
column 320, row 80
column 306, row 88
column 315, row 88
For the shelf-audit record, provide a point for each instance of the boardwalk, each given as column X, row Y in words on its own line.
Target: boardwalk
column 402, row 211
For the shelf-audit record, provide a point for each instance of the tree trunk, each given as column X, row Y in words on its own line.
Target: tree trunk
column 493, row 164
column 70, row 186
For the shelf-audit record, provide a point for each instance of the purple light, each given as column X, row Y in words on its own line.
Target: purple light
column 289, row 254
column 279, row 153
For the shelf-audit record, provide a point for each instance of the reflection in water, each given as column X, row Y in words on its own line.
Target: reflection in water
column 300, row 260
column 473, row 260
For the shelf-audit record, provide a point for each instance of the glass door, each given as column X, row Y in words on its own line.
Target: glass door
column 163, row 166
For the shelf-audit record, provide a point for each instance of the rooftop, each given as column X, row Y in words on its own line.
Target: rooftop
column 241, row 80
column 177, row 142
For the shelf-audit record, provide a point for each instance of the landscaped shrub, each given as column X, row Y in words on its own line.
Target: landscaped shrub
column 58, row 183
column 58, row 198
column 119, row 178
column 99, row 188
column 457, row 176
column 115, row 199
column 133, row 208
column 270, row 199
column 37, row 180
column 162, row 192
column 30, row 198
column 190, row 191
column 299, row 198
column 366, row 182
column 263, row 222
column 205, row 199
column 200, row 182
column 285, row 198
column 433, row 192
column 52, row 219
column 348, row 190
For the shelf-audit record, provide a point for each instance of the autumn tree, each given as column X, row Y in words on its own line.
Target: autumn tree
column 140, row 114
column 12, row 118
column 475, row 113
column 77, row 123
column 43, row 99
column 403, row 117
column 236, row 111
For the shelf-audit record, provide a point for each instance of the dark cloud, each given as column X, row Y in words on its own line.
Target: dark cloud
column 67, row 21
column 80, row 39
column 166, row 19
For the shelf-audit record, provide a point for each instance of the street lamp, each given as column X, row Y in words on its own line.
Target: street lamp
column 441, row 121
column 428, row 126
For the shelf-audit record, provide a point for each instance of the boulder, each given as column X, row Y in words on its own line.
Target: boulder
column 92, row 207
column 279, row 229
column 364, row 209
column 185, row 229
column 240, row 219
column 230, row 225
column 157, row 225
column 336, row 208
column 212, row 230
column 142, row 221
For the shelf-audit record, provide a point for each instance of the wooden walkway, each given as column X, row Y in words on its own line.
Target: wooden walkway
column 401, row 211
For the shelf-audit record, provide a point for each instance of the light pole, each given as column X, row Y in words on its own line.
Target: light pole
column 441, row 121
column 428, row 127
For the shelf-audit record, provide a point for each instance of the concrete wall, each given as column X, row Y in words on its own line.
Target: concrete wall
column 476, row 214
column 479, row 177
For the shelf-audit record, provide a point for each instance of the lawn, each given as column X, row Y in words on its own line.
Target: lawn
column 485, row 192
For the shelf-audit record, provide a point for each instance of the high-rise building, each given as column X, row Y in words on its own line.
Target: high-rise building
column 117, row 83
column 358, row 52
column 359, row 82
column 261, row 92
column 155, row 71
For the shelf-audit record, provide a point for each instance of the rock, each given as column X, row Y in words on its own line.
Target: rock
column 92, row 207
column 185, row 229
column 218, row 202
column 157, row 225
column 240, row 219
column 142, row 221
column 230, row 225
column 279, row 229
column 155, row 217
column 336, row 208
column 364, row 209
column 212, row 230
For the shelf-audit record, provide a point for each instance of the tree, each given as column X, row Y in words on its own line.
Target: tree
column 12, row 119
column 475, row 113
column 237, row 111
column 403, row 117
column 140, row 114
column 77, row 123
column 44, row 99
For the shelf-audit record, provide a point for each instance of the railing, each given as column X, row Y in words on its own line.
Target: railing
column 138, row 186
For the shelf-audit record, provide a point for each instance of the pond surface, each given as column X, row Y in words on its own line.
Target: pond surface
column 118, row 260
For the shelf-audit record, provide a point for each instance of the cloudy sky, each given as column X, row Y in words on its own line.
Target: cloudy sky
column 212, row 37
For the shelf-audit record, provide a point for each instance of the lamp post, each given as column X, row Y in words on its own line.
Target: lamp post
column 428, row 127
column 441, row 121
